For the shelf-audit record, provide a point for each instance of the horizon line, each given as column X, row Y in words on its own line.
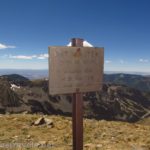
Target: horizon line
column 105, row 71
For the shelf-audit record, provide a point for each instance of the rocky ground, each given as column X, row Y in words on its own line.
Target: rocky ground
column 33, row 132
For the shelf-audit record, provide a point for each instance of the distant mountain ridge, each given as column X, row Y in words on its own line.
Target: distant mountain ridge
column 16, row 79
column 37, row 74
column 114, row 102
column 134, row 81
column 28, row 73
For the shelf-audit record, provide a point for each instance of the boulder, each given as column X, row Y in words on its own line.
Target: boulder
column 43, row 121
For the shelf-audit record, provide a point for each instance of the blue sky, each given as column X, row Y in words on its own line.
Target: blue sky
column 28, row 27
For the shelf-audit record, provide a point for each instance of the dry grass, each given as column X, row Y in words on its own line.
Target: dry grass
column 16, row 132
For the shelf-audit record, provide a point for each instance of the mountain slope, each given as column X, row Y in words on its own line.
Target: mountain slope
column 118, row 103
column 9, row 100
column 134, row 81
column 114, row 102
column 16, row 79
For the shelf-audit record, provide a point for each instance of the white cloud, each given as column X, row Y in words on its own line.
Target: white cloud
column 3, row 46
column 108, row 61
column 34, row 56
column 42, row 56
column 143, row 60
column 20, row 57
column 29, row 57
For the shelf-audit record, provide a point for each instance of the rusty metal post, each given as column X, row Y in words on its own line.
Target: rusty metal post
column 77, row 110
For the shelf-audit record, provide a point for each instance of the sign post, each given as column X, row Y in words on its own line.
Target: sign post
column 75, row 70
column 77, row 110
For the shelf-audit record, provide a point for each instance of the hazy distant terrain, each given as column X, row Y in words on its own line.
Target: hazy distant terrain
column 37, row 74
column 140, row 81
column 31, row 74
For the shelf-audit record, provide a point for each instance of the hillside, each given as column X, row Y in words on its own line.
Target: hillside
column 134, row 81
column 114, row 102
column 8, row 98
column 19, row 132
column 16, row 79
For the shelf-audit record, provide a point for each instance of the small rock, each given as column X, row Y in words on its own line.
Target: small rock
column 15, row 119
column 25, row 112
column 39, row 121
column 28, row 136
column 88, row 145
column 15, row 137
column 48, row 121
column 99, row 146
column 41, row 143
column 42, row 121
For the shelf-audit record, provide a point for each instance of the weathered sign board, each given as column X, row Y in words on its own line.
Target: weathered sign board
column 75, row 69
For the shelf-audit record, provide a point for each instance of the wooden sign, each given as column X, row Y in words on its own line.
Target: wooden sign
column 75, row 69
